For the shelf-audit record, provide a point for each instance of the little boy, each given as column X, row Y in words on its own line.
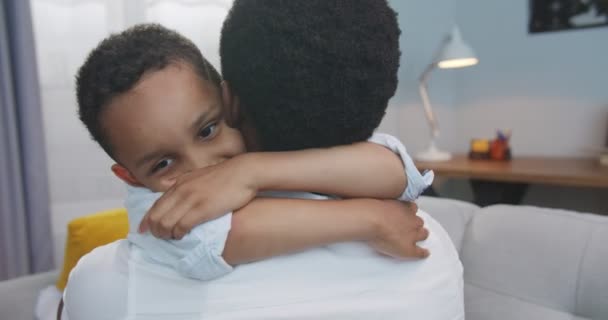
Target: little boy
column 153, row 153
column 318, row 90
column 182, row 127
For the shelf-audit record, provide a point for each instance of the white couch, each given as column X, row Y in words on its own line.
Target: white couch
column 520, row 263
column 524, row 262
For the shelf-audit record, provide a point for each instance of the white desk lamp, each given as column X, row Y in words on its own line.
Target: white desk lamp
column 452, row 53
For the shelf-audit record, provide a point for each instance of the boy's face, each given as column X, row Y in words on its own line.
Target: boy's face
column 170, row 123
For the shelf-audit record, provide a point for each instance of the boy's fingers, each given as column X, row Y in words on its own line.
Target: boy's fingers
column 188, row 221
column 180, row 230
column 423, row 234
column 184, row 226
column 164, row 204
column 421, row 252
column 143, row 225
column 410, row 207
column 414, row 207
column 163, row 228
column 418, row 222
column 167, row 223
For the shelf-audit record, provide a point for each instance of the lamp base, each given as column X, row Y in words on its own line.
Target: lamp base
column 433, row 154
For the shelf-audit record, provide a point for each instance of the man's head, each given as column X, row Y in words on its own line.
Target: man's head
column 311, row 73
column 155, row 105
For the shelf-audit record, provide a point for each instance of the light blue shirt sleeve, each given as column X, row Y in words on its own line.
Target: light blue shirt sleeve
column 416, row 182
column 197, row 255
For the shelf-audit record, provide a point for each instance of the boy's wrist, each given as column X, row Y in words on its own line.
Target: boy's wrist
column 378, row 217
column 259, row 169
column 367, row 212
column 252, row 168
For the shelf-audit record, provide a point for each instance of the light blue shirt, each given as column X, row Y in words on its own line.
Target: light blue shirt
column 199, row 254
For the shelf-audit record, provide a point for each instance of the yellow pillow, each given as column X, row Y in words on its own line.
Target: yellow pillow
column 89, row 232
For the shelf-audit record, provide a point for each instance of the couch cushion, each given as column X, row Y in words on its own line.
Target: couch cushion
column 592, row 296
column 89, row 232
column 453, row 215
column 484, row 304
column 18, row 296
column 555, row 259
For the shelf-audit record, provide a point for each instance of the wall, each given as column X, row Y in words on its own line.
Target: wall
column 65, row 31
column 550, row 89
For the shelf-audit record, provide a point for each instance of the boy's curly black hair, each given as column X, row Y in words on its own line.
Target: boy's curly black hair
column 311, row 73
column 119, row 61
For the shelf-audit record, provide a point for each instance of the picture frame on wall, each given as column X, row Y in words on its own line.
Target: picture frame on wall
column 560, row 15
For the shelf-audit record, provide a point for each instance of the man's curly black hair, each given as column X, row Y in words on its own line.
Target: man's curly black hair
column 311, row 73
column 119, row 61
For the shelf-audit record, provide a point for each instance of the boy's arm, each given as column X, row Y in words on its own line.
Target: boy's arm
column 358, row 170
column 350, row 171
column 269, row 227
column 380, row 168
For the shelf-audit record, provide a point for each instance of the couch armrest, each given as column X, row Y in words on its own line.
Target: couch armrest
column 552, row 263
column 19, row 296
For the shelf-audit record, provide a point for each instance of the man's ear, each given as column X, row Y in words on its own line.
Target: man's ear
column 123, row 174
column 232, row 106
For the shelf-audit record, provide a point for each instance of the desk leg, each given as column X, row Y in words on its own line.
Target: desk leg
column 486, row 193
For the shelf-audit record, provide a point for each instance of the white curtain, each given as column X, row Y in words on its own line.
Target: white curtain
column 25, row 230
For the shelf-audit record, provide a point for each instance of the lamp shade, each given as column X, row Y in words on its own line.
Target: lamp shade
column 456, row 53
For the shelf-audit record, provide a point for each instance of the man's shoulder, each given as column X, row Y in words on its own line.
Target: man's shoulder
column 107, row 256
column 100, row 274
column 110, row 262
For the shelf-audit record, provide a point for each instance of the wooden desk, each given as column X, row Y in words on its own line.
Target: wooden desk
column 511, row 178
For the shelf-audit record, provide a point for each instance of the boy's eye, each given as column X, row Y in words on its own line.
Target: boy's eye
column 162, row 165
column 208, row 131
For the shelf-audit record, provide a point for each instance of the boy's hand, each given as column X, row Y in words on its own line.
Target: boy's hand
column 398, row 231
column 200, row 196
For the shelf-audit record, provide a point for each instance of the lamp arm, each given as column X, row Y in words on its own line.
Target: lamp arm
column 428, row 111
column 422, row 87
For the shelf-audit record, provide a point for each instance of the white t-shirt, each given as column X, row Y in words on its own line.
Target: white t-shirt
column 334, row 282
column 341, row 281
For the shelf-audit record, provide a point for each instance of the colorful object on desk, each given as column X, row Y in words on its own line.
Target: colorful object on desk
column 480, row 149
column 497, row 149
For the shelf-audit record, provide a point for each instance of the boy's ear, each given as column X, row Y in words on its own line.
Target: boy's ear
column 231, row 105
column 123, row 174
